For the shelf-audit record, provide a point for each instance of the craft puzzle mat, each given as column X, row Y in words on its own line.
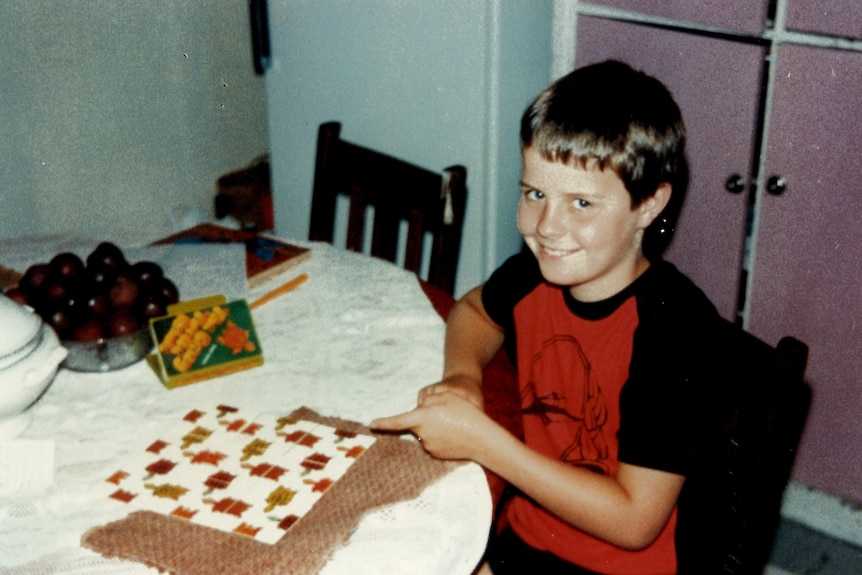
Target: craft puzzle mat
column 252, row 476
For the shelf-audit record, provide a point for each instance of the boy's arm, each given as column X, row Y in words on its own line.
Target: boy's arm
column 629, row 510
column 472, row 339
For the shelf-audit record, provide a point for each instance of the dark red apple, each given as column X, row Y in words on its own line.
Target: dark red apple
column 107, row 254
column 89, row 330
column 152, row 305
column 33, row 278
column 169, row 290
column 56, row 291
column 122, row 322
column 101, row 277
column 67, row 265
column 145, row 272
column 124, row 293
column 93, row 304
column 61, row 319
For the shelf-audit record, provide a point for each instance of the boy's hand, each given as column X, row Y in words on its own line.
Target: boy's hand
column 448, row 425
column 468, row 388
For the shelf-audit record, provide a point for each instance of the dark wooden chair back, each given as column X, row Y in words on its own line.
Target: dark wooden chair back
column 738, row 485
column 431, row 204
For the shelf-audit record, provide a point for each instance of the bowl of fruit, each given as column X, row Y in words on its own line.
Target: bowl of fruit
column 99, row 306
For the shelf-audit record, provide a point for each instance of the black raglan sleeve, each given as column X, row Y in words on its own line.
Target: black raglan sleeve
column 663, row 401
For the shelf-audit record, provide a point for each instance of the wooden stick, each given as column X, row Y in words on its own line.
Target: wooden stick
column 283, row 289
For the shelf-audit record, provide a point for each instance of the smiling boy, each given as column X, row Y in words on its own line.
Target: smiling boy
column 609, row 340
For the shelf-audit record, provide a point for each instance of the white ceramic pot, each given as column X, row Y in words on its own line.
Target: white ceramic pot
column 30, row 355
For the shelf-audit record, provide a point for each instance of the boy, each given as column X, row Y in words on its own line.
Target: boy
column 607, row 338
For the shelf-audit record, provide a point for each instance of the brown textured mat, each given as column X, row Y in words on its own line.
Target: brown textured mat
column 391, row 470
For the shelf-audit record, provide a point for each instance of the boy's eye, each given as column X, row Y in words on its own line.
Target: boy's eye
column 581, row 204
column 533, row 194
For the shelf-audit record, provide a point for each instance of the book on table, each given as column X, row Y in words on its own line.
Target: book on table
column 265, row 256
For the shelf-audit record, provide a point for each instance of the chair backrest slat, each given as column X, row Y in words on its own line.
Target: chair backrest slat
column 355, row 221
column 415, row 240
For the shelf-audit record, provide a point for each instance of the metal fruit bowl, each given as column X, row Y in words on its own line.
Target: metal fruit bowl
column 108, row 354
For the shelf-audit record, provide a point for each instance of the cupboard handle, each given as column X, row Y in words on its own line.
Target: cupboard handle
column 776, row 185
column 735, row 184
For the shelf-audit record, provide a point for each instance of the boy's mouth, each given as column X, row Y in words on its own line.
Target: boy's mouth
column 556, row 252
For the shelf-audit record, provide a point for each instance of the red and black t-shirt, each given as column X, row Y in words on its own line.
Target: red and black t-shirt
column 603, row 382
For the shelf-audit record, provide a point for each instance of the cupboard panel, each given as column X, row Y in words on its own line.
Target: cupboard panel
column 747, row 16
column 716, row 84
column 834, row 17
column 808, row 251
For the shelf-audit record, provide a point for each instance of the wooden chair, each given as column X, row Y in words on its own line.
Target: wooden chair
column 738, row 484
column 428, row 202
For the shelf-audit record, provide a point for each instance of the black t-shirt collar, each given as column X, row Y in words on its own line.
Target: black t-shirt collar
column 595, row 310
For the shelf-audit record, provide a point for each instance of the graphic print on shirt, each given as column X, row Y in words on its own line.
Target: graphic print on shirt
column 577, row 400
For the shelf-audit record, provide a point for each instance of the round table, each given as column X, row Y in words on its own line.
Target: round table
column 356, row 341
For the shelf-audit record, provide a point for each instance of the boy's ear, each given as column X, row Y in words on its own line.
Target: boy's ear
column 652, row 206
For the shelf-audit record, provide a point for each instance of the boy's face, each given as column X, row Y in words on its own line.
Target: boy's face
column 581, row 227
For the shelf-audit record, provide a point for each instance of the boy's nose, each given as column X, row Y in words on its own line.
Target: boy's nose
column 550, row 223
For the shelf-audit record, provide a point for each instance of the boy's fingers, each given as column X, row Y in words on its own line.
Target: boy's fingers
column 394, row 423
column 432, row 390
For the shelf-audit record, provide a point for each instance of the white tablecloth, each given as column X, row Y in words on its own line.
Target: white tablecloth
column 356, row 341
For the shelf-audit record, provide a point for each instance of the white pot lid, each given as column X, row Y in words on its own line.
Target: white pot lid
column 20, row 332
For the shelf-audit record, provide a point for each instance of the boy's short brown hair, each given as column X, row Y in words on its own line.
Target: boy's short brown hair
column 620, row 119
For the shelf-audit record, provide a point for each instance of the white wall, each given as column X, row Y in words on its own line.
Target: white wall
column 113, row 110
column 436, row 83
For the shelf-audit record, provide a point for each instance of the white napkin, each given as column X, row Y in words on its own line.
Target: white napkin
column 28, row 465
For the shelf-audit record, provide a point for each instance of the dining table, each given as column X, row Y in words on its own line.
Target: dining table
column 354, row 342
